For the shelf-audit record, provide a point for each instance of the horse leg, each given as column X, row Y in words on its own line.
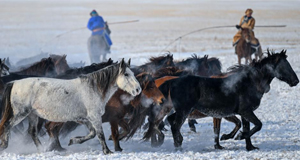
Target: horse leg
column 53, row 129
column 8, row 124
column 115, row 135
column 247, row 133
column 239, row 59
column 192, row 123
column 217, row 126
column 237, row 123
column 176, row 122
column 97, row 124
column 33, row 131
column 81, row 139
column 124, row 125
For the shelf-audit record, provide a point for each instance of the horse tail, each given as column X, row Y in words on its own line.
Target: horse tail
column 7, row 111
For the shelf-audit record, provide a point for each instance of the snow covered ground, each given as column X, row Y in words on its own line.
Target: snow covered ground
column 28, row 28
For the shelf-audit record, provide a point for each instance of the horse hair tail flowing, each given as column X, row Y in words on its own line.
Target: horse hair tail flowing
column 7, row 111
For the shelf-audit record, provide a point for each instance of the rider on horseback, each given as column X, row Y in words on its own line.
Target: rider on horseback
column 99, row 28
column 247, row 21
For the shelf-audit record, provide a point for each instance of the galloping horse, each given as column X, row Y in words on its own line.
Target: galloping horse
column 173, row 73
column 239, row 93
column 117, row 107
column 82, row 99
column 243, row 47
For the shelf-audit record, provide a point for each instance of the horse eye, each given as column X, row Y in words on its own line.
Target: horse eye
column 126, row 74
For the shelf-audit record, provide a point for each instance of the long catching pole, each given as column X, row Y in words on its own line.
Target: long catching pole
column 112, row 23
column 73, row 30
column 179, row 38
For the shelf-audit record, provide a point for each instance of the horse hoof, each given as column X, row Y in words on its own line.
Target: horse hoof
column 71, row 142
column 225, row 137
column 110, row 138
column 178, row 149
column 106, row 152
column 218, row 147
column 250, row 148
column 118, row 149
column 193, row 130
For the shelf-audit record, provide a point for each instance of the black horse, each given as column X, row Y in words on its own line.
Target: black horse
column 238, row 93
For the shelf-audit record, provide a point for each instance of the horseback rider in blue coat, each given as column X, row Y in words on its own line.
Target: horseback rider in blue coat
column 99, row 28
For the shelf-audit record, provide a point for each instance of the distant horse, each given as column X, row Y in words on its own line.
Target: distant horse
column 243, row 47
column 82, row 99
column 4, row 69
column 98, row 46
column 75, row 72
column 60, row 63
column 117, row 107
column 45, row 67
column 155, row 64
column 238, row 93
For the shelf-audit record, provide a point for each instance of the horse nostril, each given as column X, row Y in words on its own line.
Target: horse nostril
column 133, row 92
column 137, row 90
column 162, row 101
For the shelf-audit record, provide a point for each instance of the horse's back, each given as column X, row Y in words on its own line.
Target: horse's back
column 49, row 98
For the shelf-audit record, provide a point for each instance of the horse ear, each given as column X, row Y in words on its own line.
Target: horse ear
column 3, row 61
column 64, row 56
column 121, row 64
column 129, row 61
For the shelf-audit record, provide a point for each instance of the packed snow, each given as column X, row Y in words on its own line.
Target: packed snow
column 28, row 28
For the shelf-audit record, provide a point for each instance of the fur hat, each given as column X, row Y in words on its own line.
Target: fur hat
column 94, row 13
column 249, row 10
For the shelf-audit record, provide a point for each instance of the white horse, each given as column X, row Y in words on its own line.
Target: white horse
column 82, row 100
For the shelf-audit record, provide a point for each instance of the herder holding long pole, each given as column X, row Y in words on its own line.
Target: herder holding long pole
column 247, row 21
column 99, row 42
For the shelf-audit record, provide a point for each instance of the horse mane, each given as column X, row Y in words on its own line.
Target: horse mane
column 139, row 112
column 103, row 78
column 215, row 61
column 36, row 67
column 272, row 56
column 157, row 60
column 137, row 119
column 169, row 71
column 88, row 69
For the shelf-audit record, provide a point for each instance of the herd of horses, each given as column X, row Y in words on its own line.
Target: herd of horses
column 50, row 94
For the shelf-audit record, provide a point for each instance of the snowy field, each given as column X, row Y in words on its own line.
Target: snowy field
column 28, row 28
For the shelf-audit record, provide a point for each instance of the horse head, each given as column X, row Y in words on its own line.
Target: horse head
column 246, row 34
column 281, row 68
column 126, row 79
column 163, row 61
column 151, row 94
column 48, row 67
column 60, row 63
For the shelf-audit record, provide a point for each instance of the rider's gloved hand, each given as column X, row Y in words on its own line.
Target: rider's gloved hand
column 238, row 27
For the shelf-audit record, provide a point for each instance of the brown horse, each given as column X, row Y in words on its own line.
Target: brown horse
column 60, row 63
column 243, row 47
column 118, row 106
column 45, row 67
